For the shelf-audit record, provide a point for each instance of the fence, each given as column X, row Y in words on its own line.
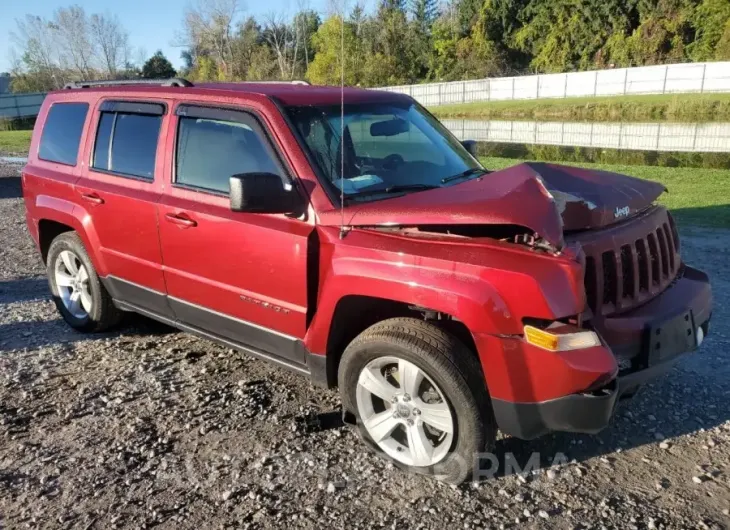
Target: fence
column 21, row 105
column 664, row 79
column 698, row 137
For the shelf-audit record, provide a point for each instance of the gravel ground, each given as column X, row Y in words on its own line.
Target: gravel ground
column 148, row 426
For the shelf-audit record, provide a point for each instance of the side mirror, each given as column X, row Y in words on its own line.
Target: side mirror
column 261, row 193
column 471, row 146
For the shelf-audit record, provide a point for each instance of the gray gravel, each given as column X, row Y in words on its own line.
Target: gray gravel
column 148, row 426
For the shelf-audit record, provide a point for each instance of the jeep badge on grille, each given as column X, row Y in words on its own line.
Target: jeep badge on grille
column 621, row 212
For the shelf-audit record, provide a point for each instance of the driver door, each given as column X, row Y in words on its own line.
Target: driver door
column 238, row 276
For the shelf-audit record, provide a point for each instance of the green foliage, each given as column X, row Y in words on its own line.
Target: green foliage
column 158, row 67
column 711, row 21
column 396, row 42
column 326, row 68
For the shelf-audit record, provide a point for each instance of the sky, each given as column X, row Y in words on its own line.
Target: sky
column 152, row 24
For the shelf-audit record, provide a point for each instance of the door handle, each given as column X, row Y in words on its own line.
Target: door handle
column 181, row 220
column 92, row 198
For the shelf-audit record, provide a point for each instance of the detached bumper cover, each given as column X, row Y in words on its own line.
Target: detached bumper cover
column 662, row 331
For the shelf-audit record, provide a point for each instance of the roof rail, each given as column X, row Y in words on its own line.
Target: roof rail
column 174, row 81
column 292, row 82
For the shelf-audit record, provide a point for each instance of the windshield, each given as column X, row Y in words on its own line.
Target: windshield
column 389, row 148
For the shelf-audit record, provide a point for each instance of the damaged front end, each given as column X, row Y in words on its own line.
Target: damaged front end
column 531, row 203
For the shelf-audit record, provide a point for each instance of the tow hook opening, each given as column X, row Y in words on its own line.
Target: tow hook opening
column 602, row 390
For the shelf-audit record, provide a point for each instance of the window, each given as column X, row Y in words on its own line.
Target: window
column 126, row 144
column 384, row 148
column 210, row 151
column 62, row 133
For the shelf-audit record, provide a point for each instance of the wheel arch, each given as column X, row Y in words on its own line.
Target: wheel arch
column 57, row 216
column 355, row 313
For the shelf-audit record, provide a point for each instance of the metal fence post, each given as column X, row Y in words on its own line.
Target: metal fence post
column 537, row 88
column 702, row 86
column 513, row 88
column 463, row 91
column 666, row 73
column 439, row 94
column 626, row 79
column 565, row 87
column 489, row 89
column 595, row 84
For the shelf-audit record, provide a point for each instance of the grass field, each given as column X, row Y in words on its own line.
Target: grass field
column 667, row 107
column 15, row 142
column 696, row 196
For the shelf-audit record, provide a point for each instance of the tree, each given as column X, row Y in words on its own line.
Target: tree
column 71, row 45
column 566, row 35
column 423, row 14
column 112, row 41
column 326, row 68
column 73, row 33
column 158, row 67
column 208, row 29
column 710, row 21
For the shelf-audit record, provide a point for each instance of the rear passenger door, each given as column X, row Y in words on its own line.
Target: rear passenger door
column 239, row 276
column 119, row 190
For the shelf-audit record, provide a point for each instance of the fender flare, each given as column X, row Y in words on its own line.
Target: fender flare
column 49, row 208
column 481, row 311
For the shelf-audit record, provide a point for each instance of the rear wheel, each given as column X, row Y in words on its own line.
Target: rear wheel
column 418, row 397
column 77, row 291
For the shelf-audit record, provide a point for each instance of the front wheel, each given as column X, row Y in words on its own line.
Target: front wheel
column 419, row 398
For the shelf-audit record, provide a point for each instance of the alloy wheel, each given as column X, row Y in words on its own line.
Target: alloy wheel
column 405, row 412
column 72, row 282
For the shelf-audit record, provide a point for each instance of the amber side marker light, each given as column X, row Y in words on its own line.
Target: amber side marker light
column 560, row 338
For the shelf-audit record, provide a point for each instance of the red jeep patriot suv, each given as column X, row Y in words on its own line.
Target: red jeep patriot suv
column 363, row 245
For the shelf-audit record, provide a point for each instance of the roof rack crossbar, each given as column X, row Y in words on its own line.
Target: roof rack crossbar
column 174, row 81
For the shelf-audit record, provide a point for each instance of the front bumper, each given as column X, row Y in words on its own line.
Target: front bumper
column 645, row 342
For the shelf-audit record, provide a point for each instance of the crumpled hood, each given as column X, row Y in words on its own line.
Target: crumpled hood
column 545, row 198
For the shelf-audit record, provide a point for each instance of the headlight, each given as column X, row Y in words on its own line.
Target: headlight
column 560, row 337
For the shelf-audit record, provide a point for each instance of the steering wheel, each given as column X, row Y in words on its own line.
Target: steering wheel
column 392, row 161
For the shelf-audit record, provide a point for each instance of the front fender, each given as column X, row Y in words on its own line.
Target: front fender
column 489, row 288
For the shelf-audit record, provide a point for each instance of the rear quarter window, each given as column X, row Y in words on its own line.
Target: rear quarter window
column 61, row 134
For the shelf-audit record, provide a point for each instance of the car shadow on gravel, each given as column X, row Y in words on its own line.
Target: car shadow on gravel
column 10, row 188
column 43, row 333
column 23, row 290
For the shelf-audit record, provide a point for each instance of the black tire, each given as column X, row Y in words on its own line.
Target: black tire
column 451, row 365
column 104, row 314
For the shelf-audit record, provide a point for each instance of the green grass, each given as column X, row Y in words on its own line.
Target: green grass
column 15, row 142
column 667, row 107
column 697, row 196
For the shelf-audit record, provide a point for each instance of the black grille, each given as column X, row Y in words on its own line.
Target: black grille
column 609, row 277
column 627, row 271
column 634, row 270
column 590, row 281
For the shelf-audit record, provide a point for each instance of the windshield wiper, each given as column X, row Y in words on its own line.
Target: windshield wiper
column 393, row 189
column 463, row 174
column 407, row 187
